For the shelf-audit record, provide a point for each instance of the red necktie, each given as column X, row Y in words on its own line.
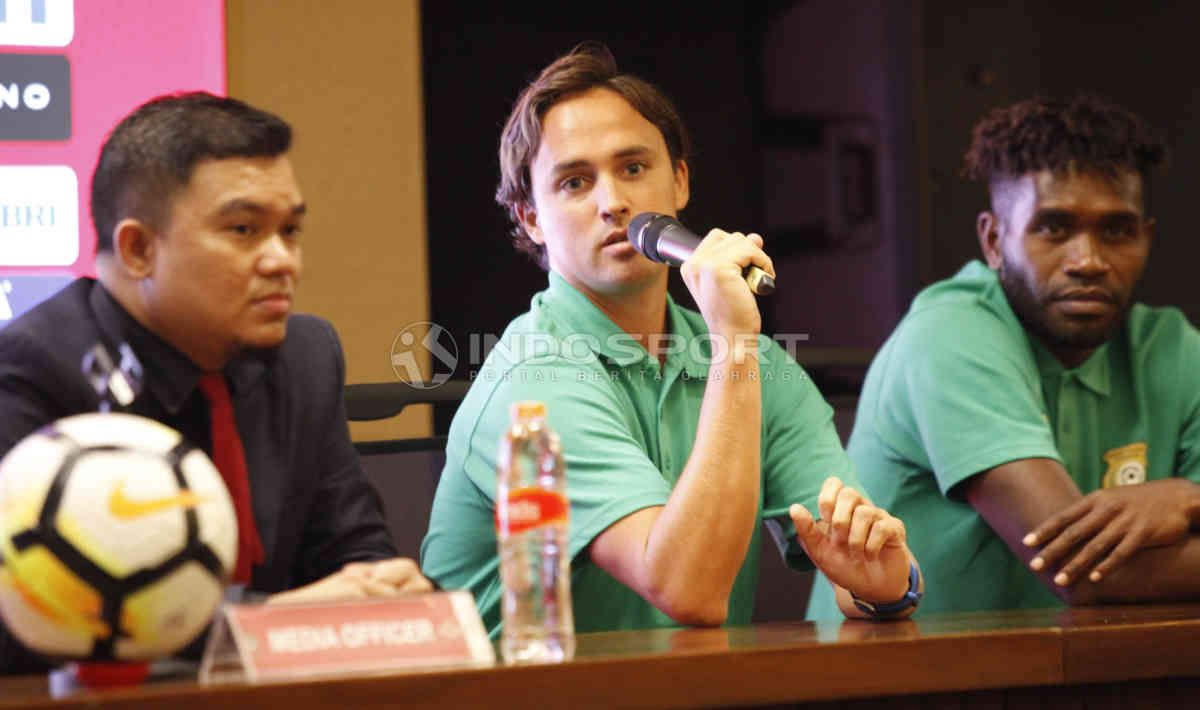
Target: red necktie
column 230, row 458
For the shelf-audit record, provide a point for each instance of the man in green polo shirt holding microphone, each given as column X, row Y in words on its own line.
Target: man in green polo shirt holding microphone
column 1038, row 432
column 680, row 430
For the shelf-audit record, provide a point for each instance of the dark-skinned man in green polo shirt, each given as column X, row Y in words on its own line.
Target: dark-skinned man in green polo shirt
column 1038, row 431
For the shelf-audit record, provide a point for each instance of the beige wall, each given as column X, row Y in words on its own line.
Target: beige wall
column 347, row 76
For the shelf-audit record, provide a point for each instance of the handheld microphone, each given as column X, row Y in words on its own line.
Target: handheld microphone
column 663, row 239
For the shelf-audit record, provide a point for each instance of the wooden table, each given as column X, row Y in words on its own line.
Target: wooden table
column 1081, row 658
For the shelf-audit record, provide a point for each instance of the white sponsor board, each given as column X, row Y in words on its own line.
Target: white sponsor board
column 37, row 23
column 39, row 215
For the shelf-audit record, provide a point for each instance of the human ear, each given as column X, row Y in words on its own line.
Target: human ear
column 527, row 216
column 135, row 245
column 987, row 227
column 683, row 190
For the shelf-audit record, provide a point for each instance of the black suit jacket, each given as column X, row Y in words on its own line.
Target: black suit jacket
column 314, row 508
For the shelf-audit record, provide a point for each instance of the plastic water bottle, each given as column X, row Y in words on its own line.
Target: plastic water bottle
column 531, row 529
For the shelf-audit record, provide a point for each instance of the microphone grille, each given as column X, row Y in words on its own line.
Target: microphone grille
column 638, row 233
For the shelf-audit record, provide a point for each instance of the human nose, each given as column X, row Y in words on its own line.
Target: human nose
column 280, row 256
column 1085, row 256
column 611, row 199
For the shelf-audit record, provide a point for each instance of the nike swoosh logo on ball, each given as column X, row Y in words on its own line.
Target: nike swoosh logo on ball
column 127, row 509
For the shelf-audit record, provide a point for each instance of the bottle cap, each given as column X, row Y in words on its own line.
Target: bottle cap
column 528, row 409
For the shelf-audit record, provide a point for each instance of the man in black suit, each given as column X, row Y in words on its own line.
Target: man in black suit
column 198, row 219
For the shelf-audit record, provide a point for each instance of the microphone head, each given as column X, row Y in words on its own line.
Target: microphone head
column 643, row 233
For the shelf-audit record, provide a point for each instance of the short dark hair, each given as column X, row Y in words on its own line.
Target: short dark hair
column 152, row 152
column 587, row 66
column 1084, row 133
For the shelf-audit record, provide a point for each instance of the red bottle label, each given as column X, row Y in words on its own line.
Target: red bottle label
column 529, row 508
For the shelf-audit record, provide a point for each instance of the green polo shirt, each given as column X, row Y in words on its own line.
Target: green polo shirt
column 627, row 426
column 960, row 388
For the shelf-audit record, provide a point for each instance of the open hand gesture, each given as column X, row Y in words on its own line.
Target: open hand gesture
column 859, row 547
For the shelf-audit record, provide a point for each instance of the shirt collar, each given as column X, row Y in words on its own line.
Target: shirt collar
column 1093, row 373
column 604, row 337
column 169, row 375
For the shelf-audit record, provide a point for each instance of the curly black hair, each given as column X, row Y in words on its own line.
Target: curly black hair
column 1085, row 132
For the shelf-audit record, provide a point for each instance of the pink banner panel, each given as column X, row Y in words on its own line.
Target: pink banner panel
column 69, row 70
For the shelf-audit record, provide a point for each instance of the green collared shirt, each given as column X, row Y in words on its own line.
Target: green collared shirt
column 627, row 426
column 960, row 388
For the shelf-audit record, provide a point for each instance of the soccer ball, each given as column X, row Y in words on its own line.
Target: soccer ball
column 117, row 539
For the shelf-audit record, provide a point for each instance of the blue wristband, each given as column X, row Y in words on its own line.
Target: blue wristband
column 910, row 599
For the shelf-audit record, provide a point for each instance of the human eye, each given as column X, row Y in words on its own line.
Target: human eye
column 242, row 229
column 635, row 168
column 292, row 231
column 1050, row 228
column 574, row 183
column 1120, row 230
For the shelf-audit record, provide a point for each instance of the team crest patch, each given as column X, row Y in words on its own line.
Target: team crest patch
column 1126, row 465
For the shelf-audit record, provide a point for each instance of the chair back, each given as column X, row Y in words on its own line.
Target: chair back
column 405, row 472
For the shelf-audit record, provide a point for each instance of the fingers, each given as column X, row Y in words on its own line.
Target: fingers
column 740, row 249
column 887, row 530
column 417, row 584
column 376, row 588
column 1086, row 557
column 388, row 577
column 807, row 531
column 1114, row 544
column 871, row 529
column 1122, row 552
column 758, row 257
column 412, row 580
column 861, row 521
column 359, row 580
column 755, row 256
column 398, row 570
column 847, row 501
column 853, row 521
column 836, row 503
column 714, row 274
column 1072, row 537
column 358, row 570
column 1055, row 524
column 827, row 498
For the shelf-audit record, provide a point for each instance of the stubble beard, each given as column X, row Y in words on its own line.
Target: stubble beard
column 1033, row 312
